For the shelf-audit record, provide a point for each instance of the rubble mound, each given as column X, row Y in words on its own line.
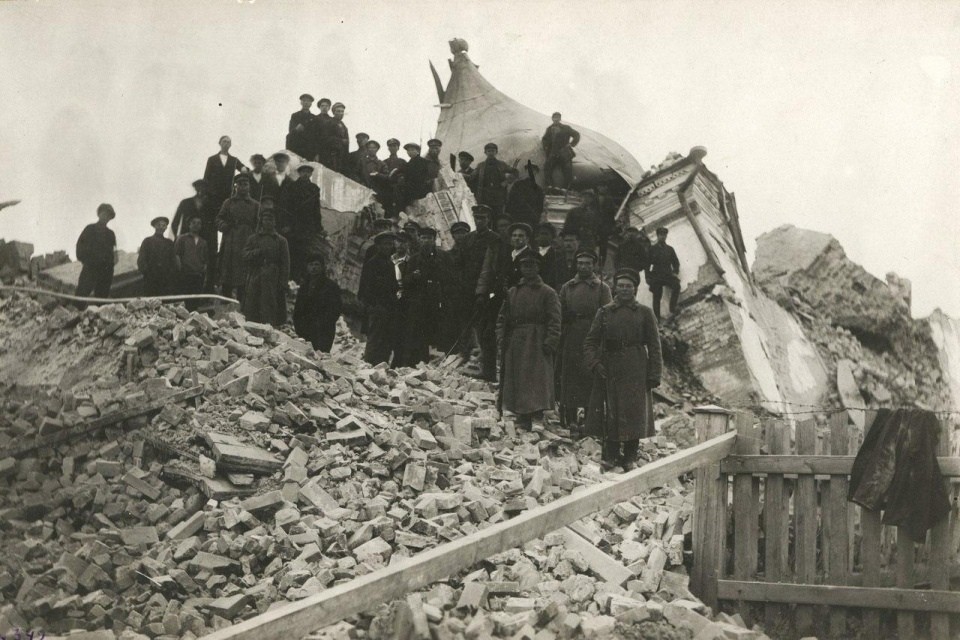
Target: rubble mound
column 189, row 472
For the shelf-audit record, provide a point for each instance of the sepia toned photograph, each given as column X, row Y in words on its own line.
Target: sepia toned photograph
column 527, row 320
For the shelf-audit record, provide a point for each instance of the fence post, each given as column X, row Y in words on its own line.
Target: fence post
column 709, row 515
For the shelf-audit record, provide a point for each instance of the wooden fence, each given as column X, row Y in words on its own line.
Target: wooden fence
column 776, row 539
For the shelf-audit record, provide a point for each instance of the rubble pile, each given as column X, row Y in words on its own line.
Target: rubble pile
column 268, row 472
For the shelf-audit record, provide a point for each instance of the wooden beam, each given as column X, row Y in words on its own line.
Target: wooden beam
column 812, row 465
column 834, row 596
column 297, row 619
column 104, row 421
column 600, row 563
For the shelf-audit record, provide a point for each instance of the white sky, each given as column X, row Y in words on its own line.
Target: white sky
column 836, row 116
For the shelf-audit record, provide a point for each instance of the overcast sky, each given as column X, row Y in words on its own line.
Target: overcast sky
column 838, row 116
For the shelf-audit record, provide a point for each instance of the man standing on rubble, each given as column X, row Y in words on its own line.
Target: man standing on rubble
column 378, row 293
column 333, row 140
column 580, row 298
column 528, row 332
column 458, row 295
column 237, row 221
column 318, row 306
column 393, row 169
column 465, row 161
column 415, row 176
column 663, row 270
column 433, row 159
column 219, row 172
column 257, row 176
column 475, row 247
column 490, row 179
column 524, row 201
column 320, row 129
column 354, row 168
column 500, row 272
column 633, row 251
column 421, row 301
column 622, row 350
column 196, row 205
column 156, row 262
column 298, row 131
column 267, row 260
column 306, row 228
column 97, row 252
column 558, row 143
column 190, row 255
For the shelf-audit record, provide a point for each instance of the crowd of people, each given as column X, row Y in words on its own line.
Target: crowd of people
column 547, row 327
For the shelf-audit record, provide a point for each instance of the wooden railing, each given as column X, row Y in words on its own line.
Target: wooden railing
column 777, row 540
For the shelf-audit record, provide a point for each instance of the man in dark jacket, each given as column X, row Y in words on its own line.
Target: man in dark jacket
column 422, row 296
column 332, row 139
column 97, row 251
column 156, row 260
column 525, row 199
column 415, row 176
column 196, row 205
column 490, row 179
column 465, row 161
column 558, row 143
column 298, row 132
column 237, row 221
column 306, row 227
column 663, row 269
column 546, row 236
column 378, row 294
column 190, row 255
column 354, row 166
column 458, row 298
column 633, row 251
column 393, row 168
column 319, row 304
column 258, row 179
column 566, row 266
column 433, row 158
column 219, row 172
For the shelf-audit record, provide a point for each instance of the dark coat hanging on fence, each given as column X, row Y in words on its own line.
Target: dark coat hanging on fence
column 896, row 470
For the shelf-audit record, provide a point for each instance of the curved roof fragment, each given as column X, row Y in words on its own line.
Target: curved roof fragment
column 474, row 112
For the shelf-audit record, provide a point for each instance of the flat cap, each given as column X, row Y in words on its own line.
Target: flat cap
column 158, row 219
column 466, row 155
column 630, row 274
column 460, row 225
column 338, row 104
column 491, row 145
column 482, row 209
column 304, row 167
column 107, row 208
column 306, row 96
column 241, row 177
column 522, row 226
column 385, row 235
column 280, row 155
column 393, row 142
column 324, row 101
column 372, row 142
column 412, row 144
column 433, row 142
column 427, row 231
column 586, row 253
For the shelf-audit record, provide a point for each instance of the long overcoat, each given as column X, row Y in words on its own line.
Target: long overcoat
column 579, row 302
column 237, row 221
column 624, row 339
column 422, row 298
column 268, row 267
column 528, row 332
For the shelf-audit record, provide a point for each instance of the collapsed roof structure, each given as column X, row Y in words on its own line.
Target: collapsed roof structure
column 473, row 112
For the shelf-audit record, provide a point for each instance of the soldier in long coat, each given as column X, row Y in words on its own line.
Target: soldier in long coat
column 622, row 350
column 268, row 269
column 237, row 221
column 421, row 301
column 378, row 294
column 528, row 333
column 580, row 299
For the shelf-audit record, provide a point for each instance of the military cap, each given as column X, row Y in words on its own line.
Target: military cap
column 662, row 231
column 362, row 135
column 459, row 225
column 306, row 96
column 107, row 208
column 304, row 167
column 482, row 209
column 546, row 226
column 393, row 141
column 427, row 231
column 491, row 145
column 630, row 274
column 586, row 253
column 324, row 100
column 521, row 225
column 241, row 177
column 412, row 144
column 199, row 184
column 529, row 256
column 371, row 142
column 163, row 219
column 280, row 155
column 338, row 104
column 386, row 235
column 466, row 155
column 433, row 142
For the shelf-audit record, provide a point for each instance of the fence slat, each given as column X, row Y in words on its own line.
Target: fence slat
column 870, row 553
column 939, row 562
column 836, row 538
column 709, row 516
column 776, row 525
column 905, row 550
column 745, row 503
column 805, row 515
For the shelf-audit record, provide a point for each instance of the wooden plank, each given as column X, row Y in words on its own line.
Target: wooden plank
column 806, row 520
column 745, row 505
column 709, row 514
column 870, row 554
column 600, row 563
column 837, row 537
column 776, row 525
column 905, row 557
column 103, row 421
column 812, row 465
column 296, row 619
column 940, row 554
column 856, row 597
